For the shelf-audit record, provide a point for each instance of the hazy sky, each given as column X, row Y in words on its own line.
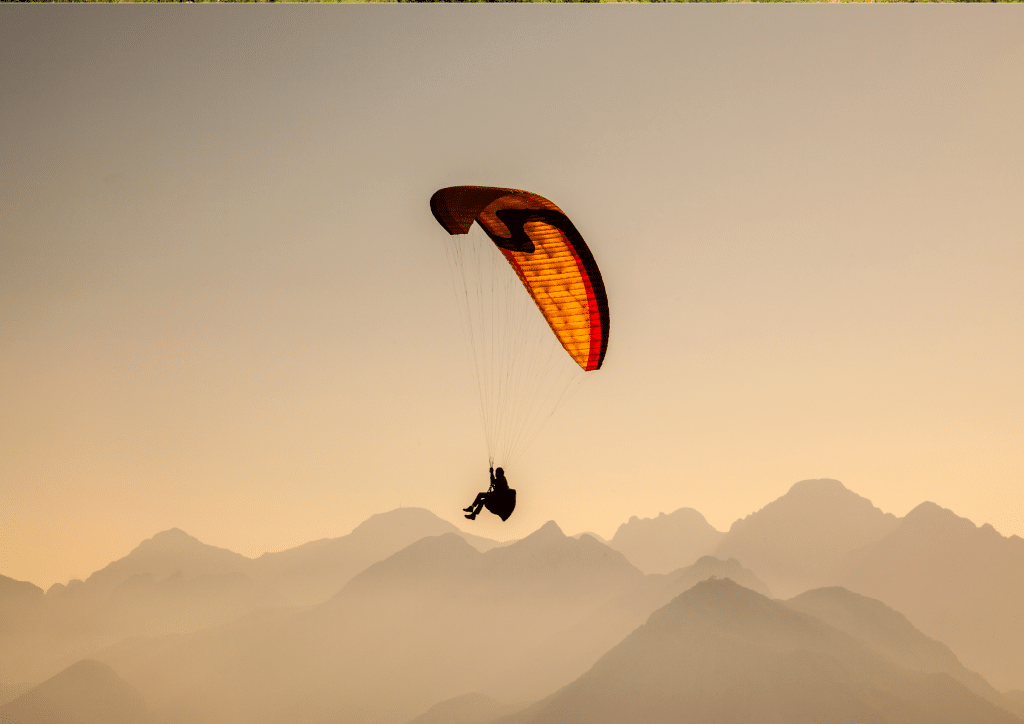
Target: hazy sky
column 224, row 305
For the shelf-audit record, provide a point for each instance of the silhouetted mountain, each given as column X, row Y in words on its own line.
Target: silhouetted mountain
column 674, row 583
column 550, row 564
column 19, row 601
column 433, row 564
column 170, row 582
column 666, row 543
column 475, row 708
column 1015, row 697
column 87, row 692
column 959, row 583
column 891, row 634
column 722, row 653
column 313, row 572
column 10, row 692
column 805, row 538
column 22, row 619
column 13, row 592
column 168, row 553
column 413, row 523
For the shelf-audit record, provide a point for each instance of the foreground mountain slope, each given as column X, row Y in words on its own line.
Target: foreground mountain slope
column 957, row 582
column 87, row 692
column 474, row 708
column 722, row 653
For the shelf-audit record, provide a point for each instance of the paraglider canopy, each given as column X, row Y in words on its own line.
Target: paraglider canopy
column 547, row 253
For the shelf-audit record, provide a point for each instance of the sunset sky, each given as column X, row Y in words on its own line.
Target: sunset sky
column 225, row 306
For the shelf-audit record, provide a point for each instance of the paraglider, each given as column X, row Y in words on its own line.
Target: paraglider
column 499, row 498
column 522, row 376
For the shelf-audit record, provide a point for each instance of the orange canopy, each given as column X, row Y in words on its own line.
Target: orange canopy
column 546, row 252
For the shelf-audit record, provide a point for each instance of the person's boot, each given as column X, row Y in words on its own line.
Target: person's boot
column 469, row 509
column 471, row 516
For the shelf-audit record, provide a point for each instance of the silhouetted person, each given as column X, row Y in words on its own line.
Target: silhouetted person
column 499, row 498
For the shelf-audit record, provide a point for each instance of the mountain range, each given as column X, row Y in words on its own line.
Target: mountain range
column 407, row 615
column 957, row 582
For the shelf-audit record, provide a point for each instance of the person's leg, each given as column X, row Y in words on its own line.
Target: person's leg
column 477, row 502
column 479, row 505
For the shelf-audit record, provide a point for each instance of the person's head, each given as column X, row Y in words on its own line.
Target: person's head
column 499, row 473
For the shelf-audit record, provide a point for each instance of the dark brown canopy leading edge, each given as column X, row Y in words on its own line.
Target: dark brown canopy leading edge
column 456, row 207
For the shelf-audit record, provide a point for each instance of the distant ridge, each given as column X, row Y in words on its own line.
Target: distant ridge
column 20, row 607
column 666, row 543
column 806, row 538
column 957, row 582
column 12, row 590
column 165, row 554
column 313, row 572
column 593, row 535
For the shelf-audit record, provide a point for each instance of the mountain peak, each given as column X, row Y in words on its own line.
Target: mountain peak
column 818, row 487
column 86, row 691
column 165, row 553
column 548, row 531
column 11, row 589
column 670, row 541
column 801, row 539
column 172, row 535
column 170, row 542
column 387, row 523
column 929, row 515
column 931, row 511
column 432, row 559
column 549, row 558
column 818, row 492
